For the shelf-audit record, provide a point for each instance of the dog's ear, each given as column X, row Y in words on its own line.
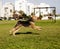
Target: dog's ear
column 34, row 18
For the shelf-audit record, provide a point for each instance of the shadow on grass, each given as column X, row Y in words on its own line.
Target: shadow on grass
column 26, row 33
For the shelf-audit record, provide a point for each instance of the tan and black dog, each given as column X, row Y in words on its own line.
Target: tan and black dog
column 26, row 23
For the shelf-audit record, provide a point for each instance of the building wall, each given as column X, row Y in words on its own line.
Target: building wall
column 21, row 5
column 24, row 5
column 7, row 10
column 42, row 11
column 0, row 7
column 30, row 8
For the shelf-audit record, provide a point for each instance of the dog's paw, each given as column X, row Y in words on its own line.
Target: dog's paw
column 39, row 29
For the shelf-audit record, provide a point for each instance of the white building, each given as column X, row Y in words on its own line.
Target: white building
column 21, row 5
column 24, row 5
column 30, row 8
column 42, row 11
column 7, row 10
column 0, row 7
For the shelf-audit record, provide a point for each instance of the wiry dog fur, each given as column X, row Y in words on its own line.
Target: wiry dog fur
column 27, row 23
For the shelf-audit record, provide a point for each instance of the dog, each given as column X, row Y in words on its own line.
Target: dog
column 26, row 23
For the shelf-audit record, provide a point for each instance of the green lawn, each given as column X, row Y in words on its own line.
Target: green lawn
column 47, row 38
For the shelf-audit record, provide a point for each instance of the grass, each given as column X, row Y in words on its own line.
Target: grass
column 47, row 38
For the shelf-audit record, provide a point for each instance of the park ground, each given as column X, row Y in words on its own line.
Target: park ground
column 27, row 38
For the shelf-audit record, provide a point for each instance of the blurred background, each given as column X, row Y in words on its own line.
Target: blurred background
column 7, row 7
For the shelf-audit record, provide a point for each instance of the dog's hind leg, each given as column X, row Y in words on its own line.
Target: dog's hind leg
column 11, row 31
column 16, row 31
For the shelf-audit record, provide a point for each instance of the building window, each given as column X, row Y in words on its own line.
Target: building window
column 10, row 10
column 20, row 3
column 20, row 6
column 6, row 7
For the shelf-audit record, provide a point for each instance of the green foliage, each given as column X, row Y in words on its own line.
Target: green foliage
column 47, row 38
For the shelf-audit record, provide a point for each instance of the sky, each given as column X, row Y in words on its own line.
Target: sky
column 52, row 3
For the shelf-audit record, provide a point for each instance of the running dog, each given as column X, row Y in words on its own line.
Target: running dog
column 25, row 23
